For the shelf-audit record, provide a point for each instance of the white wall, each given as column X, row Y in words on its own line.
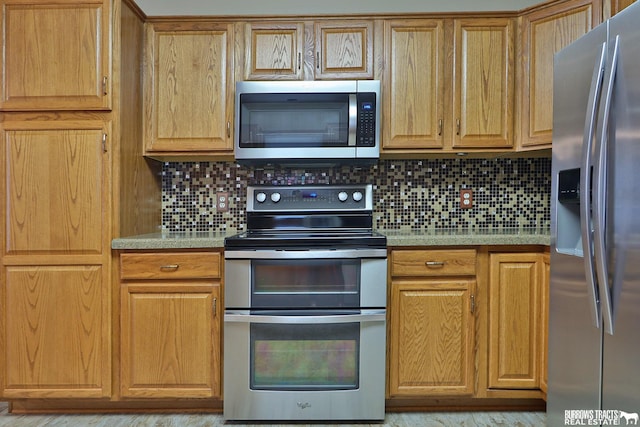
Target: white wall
column 319, row 7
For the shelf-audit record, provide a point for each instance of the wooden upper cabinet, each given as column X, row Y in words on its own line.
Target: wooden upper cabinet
column 413, row 86
column 619, row 5
column 545, row 32
column 483, row 93
column 331, row 49
column 448, row 84
column 56, row 54
column 275, row 51
column 344, row 50
column 189, row 89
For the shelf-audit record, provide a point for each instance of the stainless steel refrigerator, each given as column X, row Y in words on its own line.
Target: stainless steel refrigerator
column 594, row 317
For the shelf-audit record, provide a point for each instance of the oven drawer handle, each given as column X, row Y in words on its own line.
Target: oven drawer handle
column 364, row 316
column 306, row 254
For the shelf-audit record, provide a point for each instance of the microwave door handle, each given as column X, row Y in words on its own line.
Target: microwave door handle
column 600, row 196
column 585, row 184
column 243, row 316
column 353, row 119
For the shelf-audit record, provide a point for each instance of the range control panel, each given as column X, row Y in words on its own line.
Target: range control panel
column 310, row 198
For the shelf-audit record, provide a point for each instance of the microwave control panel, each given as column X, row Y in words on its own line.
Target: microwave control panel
column 366, row 132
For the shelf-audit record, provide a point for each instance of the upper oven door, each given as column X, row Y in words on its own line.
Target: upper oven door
column 280, row 279
column 305, row 121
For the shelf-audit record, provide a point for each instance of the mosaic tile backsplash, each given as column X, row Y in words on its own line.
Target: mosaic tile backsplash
column 408, row 194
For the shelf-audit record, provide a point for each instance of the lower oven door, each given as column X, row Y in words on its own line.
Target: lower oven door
column 304, row 367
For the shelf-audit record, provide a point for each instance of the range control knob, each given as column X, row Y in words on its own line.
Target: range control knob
column 275, row 197
column 357, row 196
column 343, row 196
column 261, row 197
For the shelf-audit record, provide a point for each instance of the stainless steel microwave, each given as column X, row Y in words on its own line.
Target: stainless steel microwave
column 307, row 122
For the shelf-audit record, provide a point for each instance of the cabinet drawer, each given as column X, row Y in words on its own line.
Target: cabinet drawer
column 175, row 265
column 456, row 262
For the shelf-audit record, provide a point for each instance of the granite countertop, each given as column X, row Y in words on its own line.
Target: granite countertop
column 215, row 239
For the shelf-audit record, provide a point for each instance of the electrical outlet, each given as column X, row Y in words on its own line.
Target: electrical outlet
column 466, row 198
column 222, row 202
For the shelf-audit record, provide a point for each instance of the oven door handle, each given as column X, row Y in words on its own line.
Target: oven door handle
column 244, row 316
column 306, row 254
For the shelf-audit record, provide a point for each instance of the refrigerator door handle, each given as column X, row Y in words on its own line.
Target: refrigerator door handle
column 600, row 195
column 585, row 184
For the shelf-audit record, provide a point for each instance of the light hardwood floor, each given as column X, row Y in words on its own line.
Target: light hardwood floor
column 401, row 419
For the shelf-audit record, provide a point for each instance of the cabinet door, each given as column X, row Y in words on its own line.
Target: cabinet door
column 170, row 340
column 344, row 50
column 56, row 181
column 514, row 321
column 544, row 327
column 56, row 55
column 483, row 83
column 56, row 332
column 274, row 51
column 544, row 33
column 431, row 337
column 413, row 84
column 189, row 95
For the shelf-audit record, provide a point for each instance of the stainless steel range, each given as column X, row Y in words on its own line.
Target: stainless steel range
column 305, row 298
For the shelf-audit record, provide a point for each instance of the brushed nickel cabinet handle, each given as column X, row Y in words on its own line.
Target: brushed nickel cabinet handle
column 318, row 60
column 457, row 126
column 434, row 264
column 299, row 60
column 170, row 267
column 440, row 127
column 228, row 129
column 473, row 303
column 104, row 85
column 215, row 307
column 104, row 142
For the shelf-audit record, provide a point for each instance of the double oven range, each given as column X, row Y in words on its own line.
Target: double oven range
column 305, row 298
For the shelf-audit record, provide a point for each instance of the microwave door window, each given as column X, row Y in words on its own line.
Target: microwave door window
column 300, row 120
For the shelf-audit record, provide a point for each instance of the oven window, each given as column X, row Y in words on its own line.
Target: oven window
column 305, row 357
column 306, row 283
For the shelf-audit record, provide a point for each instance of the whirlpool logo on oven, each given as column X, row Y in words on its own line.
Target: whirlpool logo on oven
column 596, row 417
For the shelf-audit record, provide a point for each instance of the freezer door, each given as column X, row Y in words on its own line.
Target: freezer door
column 621, row 372
column 575, row 338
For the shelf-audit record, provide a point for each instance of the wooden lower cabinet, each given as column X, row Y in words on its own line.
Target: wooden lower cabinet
column 171, row 315
column 432, row 323
column 56, row 321
column 544, row 330
column 515, row 320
